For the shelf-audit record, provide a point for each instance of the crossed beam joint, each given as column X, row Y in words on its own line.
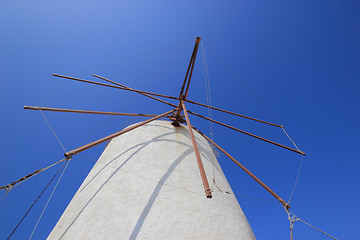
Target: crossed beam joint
column 179, row 107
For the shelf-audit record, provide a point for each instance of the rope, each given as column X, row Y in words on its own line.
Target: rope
column 208, row 100
column 7, row 191
column 293, row 218
column 283, row 128
column 35, row 201
column 67, row 163
column 296, row 180
column 207, row 86
column 301, row 162
column 51, row 92
column 52, row 130
column 13, row 184
column 318, row 229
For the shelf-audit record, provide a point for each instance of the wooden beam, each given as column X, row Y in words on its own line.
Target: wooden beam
column 97, row 142
column 236, row 114
column 90, row 112
column 197, row 154
column 187, row 80
column 144, row 94
column 13, row 184
column 249, row 134
column 192, row 66
column 285, row 204
column 112, row 86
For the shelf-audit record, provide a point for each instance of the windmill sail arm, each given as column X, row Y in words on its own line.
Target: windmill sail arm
column 90, row 112
column 144, row 94
column 107, row 138
column 192, row 65
column 30, row 175
column 285, row 204
column 197, row 154
column 236, row 114
column 112, row 86
column 193, row 55
column 249, row 134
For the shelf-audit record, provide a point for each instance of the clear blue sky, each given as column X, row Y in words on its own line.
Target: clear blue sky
column 296, row 63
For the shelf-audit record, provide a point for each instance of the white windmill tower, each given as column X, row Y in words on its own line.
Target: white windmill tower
column 151, row 183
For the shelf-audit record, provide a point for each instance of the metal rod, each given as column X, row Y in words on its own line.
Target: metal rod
column 107, row 85
column 236, row 114
column 179, row 109
column 121, row 85
column 187, row 71
column 92, row 144
column 247, row 171
column 91, row 112
column 178, row 112
column 197, row 154
column 250, row 134
column 192, row 66
column 9, row 186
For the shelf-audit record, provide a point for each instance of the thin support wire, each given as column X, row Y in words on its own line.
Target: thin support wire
column 301, row 162
column 7, row 191
column 293, row 218
column 208, row 98
column 27, row 177
column 297, row 178
column 53, row 131
column 50, row 93
column 67, row 163
column 318, row 229
column 35, row 201
column 283, row 128
column 208, row 90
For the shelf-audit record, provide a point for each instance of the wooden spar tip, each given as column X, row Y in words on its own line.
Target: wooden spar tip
column 92, row 112
column 247, row 133
column 208, row 193
column 285, row 204
column 236, row 114
column 113, row 86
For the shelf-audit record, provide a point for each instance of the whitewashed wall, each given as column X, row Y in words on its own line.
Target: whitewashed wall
column 147, row 185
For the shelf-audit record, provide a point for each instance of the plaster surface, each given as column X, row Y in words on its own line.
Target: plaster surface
column 147, row 185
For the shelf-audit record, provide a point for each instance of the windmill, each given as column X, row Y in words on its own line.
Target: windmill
column 90, row 211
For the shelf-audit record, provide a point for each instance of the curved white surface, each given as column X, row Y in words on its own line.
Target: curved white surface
column 147, row 185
